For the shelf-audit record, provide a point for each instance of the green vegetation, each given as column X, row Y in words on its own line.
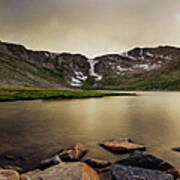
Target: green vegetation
column 158, row 81
column 20, row 71
column 29, row 93
column 38, row 71
column 166, row 79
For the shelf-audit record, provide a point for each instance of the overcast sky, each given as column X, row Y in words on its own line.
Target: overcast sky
column 91, row 27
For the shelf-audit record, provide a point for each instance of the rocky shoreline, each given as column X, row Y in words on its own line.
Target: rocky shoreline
column 69, row 164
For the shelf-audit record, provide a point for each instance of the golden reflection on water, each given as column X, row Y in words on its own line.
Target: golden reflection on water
column 38, row 128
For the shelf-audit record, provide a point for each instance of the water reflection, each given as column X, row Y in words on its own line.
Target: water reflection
column 39, row 128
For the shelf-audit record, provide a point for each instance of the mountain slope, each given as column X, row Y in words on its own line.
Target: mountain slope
column 22, row 67
column 138, row 69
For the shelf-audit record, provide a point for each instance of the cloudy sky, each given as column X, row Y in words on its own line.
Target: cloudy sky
column 91, row 27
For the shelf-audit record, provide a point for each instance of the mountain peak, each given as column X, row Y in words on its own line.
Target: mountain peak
column 23, row 67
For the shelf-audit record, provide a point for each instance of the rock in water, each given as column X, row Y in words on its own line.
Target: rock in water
column 176, row 149
column 122, row 146
column 10, row 157
column 49, row 162
column 96, row 163
column 144, row 160
column 9, row 175
column 15, row 168
column 73, row 153
column 120, row 172
column 65, row 171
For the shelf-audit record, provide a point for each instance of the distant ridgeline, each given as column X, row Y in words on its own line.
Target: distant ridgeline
column 137, row 69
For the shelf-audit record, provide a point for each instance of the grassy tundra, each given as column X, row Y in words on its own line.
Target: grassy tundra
column 30, row 93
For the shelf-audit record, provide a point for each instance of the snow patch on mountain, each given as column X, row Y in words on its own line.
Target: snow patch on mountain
column 147, row 66
column 126, row 54
column 80, row 76
column 75, row 82
column 142, row 66
column 154, row 66
column 149, row 54
column 92, row 72
column 121, row 69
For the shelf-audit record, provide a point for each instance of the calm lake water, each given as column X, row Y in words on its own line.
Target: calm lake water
column 37, row 129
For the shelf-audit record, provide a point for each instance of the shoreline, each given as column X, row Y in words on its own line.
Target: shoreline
column 74, row 157
column 30, row 93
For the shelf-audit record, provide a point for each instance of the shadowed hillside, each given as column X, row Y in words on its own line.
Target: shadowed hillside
column 138, row 69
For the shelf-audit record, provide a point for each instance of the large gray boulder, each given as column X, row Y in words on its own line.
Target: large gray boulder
column 120, row 172
column 145, row 160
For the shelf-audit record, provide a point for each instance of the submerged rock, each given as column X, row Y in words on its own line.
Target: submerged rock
column 10, row 157
column 176, row 149
column 15, row 168
column 120, row 172
column 49, row 162
column 73, row 153
column 9, row 175
column 144, row 160
column 122, row 146
column 64, row 171
column 96, row 163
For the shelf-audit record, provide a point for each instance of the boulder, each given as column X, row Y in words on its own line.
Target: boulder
column 96, row 163
column 73, row 153
column 25, row 178
column 29, row 174
column 120, row 172
column 174, row 172
column 121, row 145
column 49, row 162
column 10, row 157
column 64, row 171
column 176, row 149
column 144, row 160
column 105, row 173
column 9, row 175
column 15, row 168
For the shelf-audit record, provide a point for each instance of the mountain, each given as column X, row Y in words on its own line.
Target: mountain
column 137, row 69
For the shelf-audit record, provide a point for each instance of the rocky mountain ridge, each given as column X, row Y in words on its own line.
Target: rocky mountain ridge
column 23, row 67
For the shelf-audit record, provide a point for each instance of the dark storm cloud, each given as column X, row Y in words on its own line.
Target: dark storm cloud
column 90, row 26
